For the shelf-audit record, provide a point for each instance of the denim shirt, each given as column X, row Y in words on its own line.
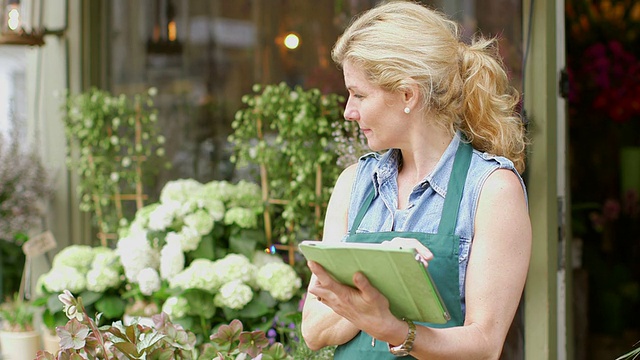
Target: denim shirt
column 426, row 200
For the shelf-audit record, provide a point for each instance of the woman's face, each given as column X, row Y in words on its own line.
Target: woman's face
column 378, row 112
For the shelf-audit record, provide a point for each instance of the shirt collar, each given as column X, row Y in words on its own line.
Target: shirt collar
column 438, row 178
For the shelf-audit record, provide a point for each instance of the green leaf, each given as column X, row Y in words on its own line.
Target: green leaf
column 243, row 243
column 90, row 297
column 54, row 304
column 112, row 307
column 128, row 349
column 204, row 250
column 254, row 309
column 201, row 302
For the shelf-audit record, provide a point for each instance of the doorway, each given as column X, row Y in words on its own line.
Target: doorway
column 603, row 69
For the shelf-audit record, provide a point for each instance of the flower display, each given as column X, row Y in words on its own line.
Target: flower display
column 608, row 84
column 197, row 255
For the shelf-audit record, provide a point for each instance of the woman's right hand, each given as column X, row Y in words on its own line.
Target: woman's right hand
column 425, row 255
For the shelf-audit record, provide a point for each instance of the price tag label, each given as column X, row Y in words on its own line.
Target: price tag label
column 39, row 244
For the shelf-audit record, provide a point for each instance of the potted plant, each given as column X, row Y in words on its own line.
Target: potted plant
column 24, row 189
column 18, row 338
column 297, row 137
column 114, row 147
column 81, row 337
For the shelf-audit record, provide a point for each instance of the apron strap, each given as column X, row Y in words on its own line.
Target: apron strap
column 362, row 211
column 452, row 200
column 451, row 206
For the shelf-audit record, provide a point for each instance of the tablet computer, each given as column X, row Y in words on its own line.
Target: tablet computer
column 394, row 271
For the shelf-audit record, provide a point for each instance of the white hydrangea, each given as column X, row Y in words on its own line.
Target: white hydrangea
column 200, row 274
column 136, row 254
column 234, row 295
column 179, row 190
column 149, row 281
column 163, row 216
column 235, row 267
column 216, row 190
column 246, row 194
column 187, row 207
column 279, row 279
column 105, row 257
column 243, row 217
column 171, row 260
column 214, row 207
column 140, row 221
column 187, row 237
column 102, row 278
column 200, row 221
column 76, row 256
column 176, row 307
column 63, row 277
column 261, row 258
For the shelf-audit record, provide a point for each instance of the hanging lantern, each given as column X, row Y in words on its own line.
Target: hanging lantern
column 164, row 36
column 21, row 22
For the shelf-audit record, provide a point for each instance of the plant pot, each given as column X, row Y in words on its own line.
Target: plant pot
column 50, row 342
column 19, row 345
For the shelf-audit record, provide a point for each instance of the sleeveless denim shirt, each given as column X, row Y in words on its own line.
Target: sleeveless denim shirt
column 426, row 201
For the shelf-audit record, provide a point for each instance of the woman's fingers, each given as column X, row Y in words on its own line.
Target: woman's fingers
column 425, row 254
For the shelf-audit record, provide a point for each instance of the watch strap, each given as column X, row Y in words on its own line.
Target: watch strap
column 405, row 348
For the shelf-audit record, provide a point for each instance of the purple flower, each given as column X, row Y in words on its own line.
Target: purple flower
column 73, row 335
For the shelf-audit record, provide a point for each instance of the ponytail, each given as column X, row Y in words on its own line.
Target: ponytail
column 489, row 118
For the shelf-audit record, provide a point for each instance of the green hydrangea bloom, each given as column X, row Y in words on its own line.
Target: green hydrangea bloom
column 176, row 307
column 200, row 221
column 76, row 256
column 279, row 279
column 243, row 217
column 234, row 295
column 63, row 277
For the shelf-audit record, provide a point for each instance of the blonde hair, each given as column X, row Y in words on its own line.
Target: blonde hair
column 401, row 43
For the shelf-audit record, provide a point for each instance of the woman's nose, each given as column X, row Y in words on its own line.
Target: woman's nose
column 350, row 114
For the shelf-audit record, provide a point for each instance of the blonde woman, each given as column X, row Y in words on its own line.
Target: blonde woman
column 443, row 116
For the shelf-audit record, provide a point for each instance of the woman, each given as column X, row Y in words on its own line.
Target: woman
column 417, row 91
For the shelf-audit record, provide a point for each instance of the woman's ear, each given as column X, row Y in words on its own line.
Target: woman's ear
column 411, row 96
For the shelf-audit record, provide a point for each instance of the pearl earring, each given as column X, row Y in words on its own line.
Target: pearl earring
column 407, row 110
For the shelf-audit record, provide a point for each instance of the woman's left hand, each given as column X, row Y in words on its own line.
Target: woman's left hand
column 363, row 305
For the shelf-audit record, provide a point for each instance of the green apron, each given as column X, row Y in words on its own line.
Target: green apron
column 443, row 267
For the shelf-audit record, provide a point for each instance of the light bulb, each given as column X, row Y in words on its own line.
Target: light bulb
column 291, row 41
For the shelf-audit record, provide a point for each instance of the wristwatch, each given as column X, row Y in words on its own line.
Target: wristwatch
column 405, row 348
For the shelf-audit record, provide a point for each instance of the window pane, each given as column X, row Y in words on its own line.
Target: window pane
column 13, row 102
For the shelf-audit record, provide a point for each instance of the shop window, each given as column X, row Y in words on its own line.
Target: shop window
column 203, row 56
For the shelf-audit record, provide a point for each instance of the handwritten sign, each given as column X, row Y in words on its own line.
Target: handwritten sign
column 39, row 244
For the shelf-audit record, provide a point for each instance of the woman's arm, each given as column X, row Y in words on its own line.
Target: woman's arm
column 320, row 325
column 496, row 274
column 495, row 279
